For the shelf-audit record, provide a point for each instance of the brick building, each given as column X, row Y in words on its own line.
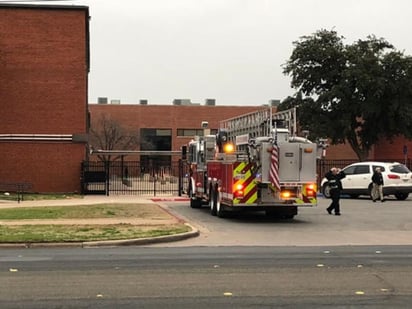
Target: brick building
column 167, row 127
column 178, row 122
column 385, row 150
column 44, row 65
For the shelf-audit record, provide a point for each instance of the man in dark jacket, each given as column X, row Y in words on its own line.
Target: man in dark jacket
column 377, row 186
column 334, row 176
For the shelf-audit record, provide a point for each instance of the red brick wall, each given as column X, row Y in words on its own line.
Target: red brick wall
column 393, row 149
column 384, row 150
column 340, row 152
column 169, row 117
column 43, row 75
column 43, row 87
column 49, row 167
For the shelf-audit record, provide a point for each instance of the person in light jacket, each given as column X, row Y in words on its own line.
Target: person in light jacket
column 377, row 185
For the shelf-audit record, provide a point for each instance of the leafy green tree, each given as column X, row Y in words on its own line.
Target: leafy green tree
column 358, row 93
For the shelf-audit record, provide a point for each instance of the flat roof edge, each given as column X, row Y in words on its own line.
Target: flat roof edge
column 43, row 6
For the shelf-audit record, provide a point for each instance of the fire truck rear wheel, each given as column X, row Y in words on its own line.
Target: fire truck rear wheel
column 212, row 203
column 220, row 209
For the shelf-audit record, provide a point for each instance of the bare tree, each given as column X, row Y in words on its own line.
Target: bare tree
column 106, row 133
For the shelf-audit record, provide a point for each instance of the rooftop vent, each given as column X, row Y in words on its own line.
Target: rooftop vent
column 143, row 102
column 115, row 101
column 210, row 102
column 274, row 102
column 182, row 102
column 101, row 100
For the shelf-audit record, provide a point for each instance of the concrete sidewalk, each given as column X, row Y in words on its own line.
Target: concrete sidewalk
column 86, row 200
column 101, row 199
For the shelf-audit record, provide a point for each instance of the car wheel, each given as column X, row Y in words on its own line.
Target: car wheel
column 401, row 196
column 370, row 191
column 326, row 190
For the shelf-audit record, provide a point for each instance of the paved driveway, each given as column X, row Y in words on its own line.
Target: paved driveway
column 362, row 223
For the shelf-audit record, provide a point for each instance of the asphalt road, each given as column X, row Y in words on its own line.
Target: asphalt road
column 362, row 223
column 362, row 259
column 207, row 277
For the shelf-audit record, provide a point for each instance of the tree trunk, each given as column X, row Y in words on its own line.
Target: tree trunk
column 361, row 152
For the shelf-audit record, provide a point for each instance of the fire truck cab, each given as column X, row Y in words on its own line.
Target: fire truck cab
column 253, row 163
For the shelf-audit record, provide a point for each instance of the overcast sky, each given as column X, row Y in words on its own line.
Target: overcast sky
column 229, row 50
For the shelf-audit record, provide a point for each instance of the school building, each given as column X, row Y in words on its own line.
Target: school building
column 45, row 112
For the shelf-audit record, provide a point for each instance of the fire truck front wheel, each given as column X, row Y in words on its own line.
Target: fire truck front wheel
column 195, row 202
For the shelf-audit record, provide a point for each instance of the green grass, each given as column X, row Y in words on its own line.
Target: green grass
column 83, row 211
column 69, row 233
column 29, row 233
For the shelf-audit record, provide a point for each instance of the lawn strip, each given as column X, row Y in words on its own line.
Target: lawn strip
column 143, row 211
column 82, row 233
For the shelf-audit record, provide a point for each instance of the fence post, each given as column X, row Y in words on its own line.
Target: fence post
column 154, row 181
column 180, row 181
column 19, row 193
column 82, row 183
column 107, row 168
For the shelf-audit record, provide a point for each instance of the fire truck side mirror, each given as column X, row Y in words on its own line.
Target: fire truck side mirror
column 184, row 152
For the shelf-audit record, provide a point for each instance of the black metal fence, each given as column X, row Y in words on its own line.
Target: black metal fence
column 19, row 188
column 133, row 178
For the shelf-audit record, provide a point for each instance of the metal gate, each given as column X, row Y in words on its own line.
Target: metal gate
column 134, row 178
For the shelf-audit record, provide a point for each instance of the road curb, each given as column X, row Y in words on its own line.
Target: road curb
column 143, row 241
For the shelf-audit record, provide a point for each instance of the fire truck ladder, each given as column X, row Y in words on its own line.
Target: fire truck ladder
column 259, row 123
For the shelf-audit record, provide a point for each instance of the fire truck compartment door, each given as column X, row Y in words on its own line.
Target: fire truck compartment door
column 289, row 162
column 308, row 167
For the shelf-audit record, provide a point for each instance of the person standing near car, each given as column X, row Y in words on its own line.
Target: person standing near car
column 377, row 185
column 334, row 177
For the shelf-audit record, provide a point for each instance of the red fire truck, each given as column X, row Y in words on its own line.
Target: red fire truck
column 255, row 162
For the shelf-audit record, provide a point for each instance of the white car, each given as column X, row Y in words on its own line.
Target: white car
column 397, row 179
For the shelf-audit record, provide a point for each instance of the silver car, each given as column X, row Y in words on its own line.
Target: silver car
column 397, row 179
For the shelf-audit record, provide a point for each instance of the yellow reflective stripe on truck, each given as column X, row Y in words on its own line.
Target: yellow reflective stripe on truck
column 242, row 174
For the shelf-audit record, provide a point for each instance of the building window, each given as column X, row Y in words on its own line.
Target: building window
column 193, row 132
column 156, row 140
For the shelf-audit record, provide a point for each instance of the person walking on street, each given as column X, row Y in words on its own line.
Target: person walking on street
column 377, row 185
column 334, row 177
